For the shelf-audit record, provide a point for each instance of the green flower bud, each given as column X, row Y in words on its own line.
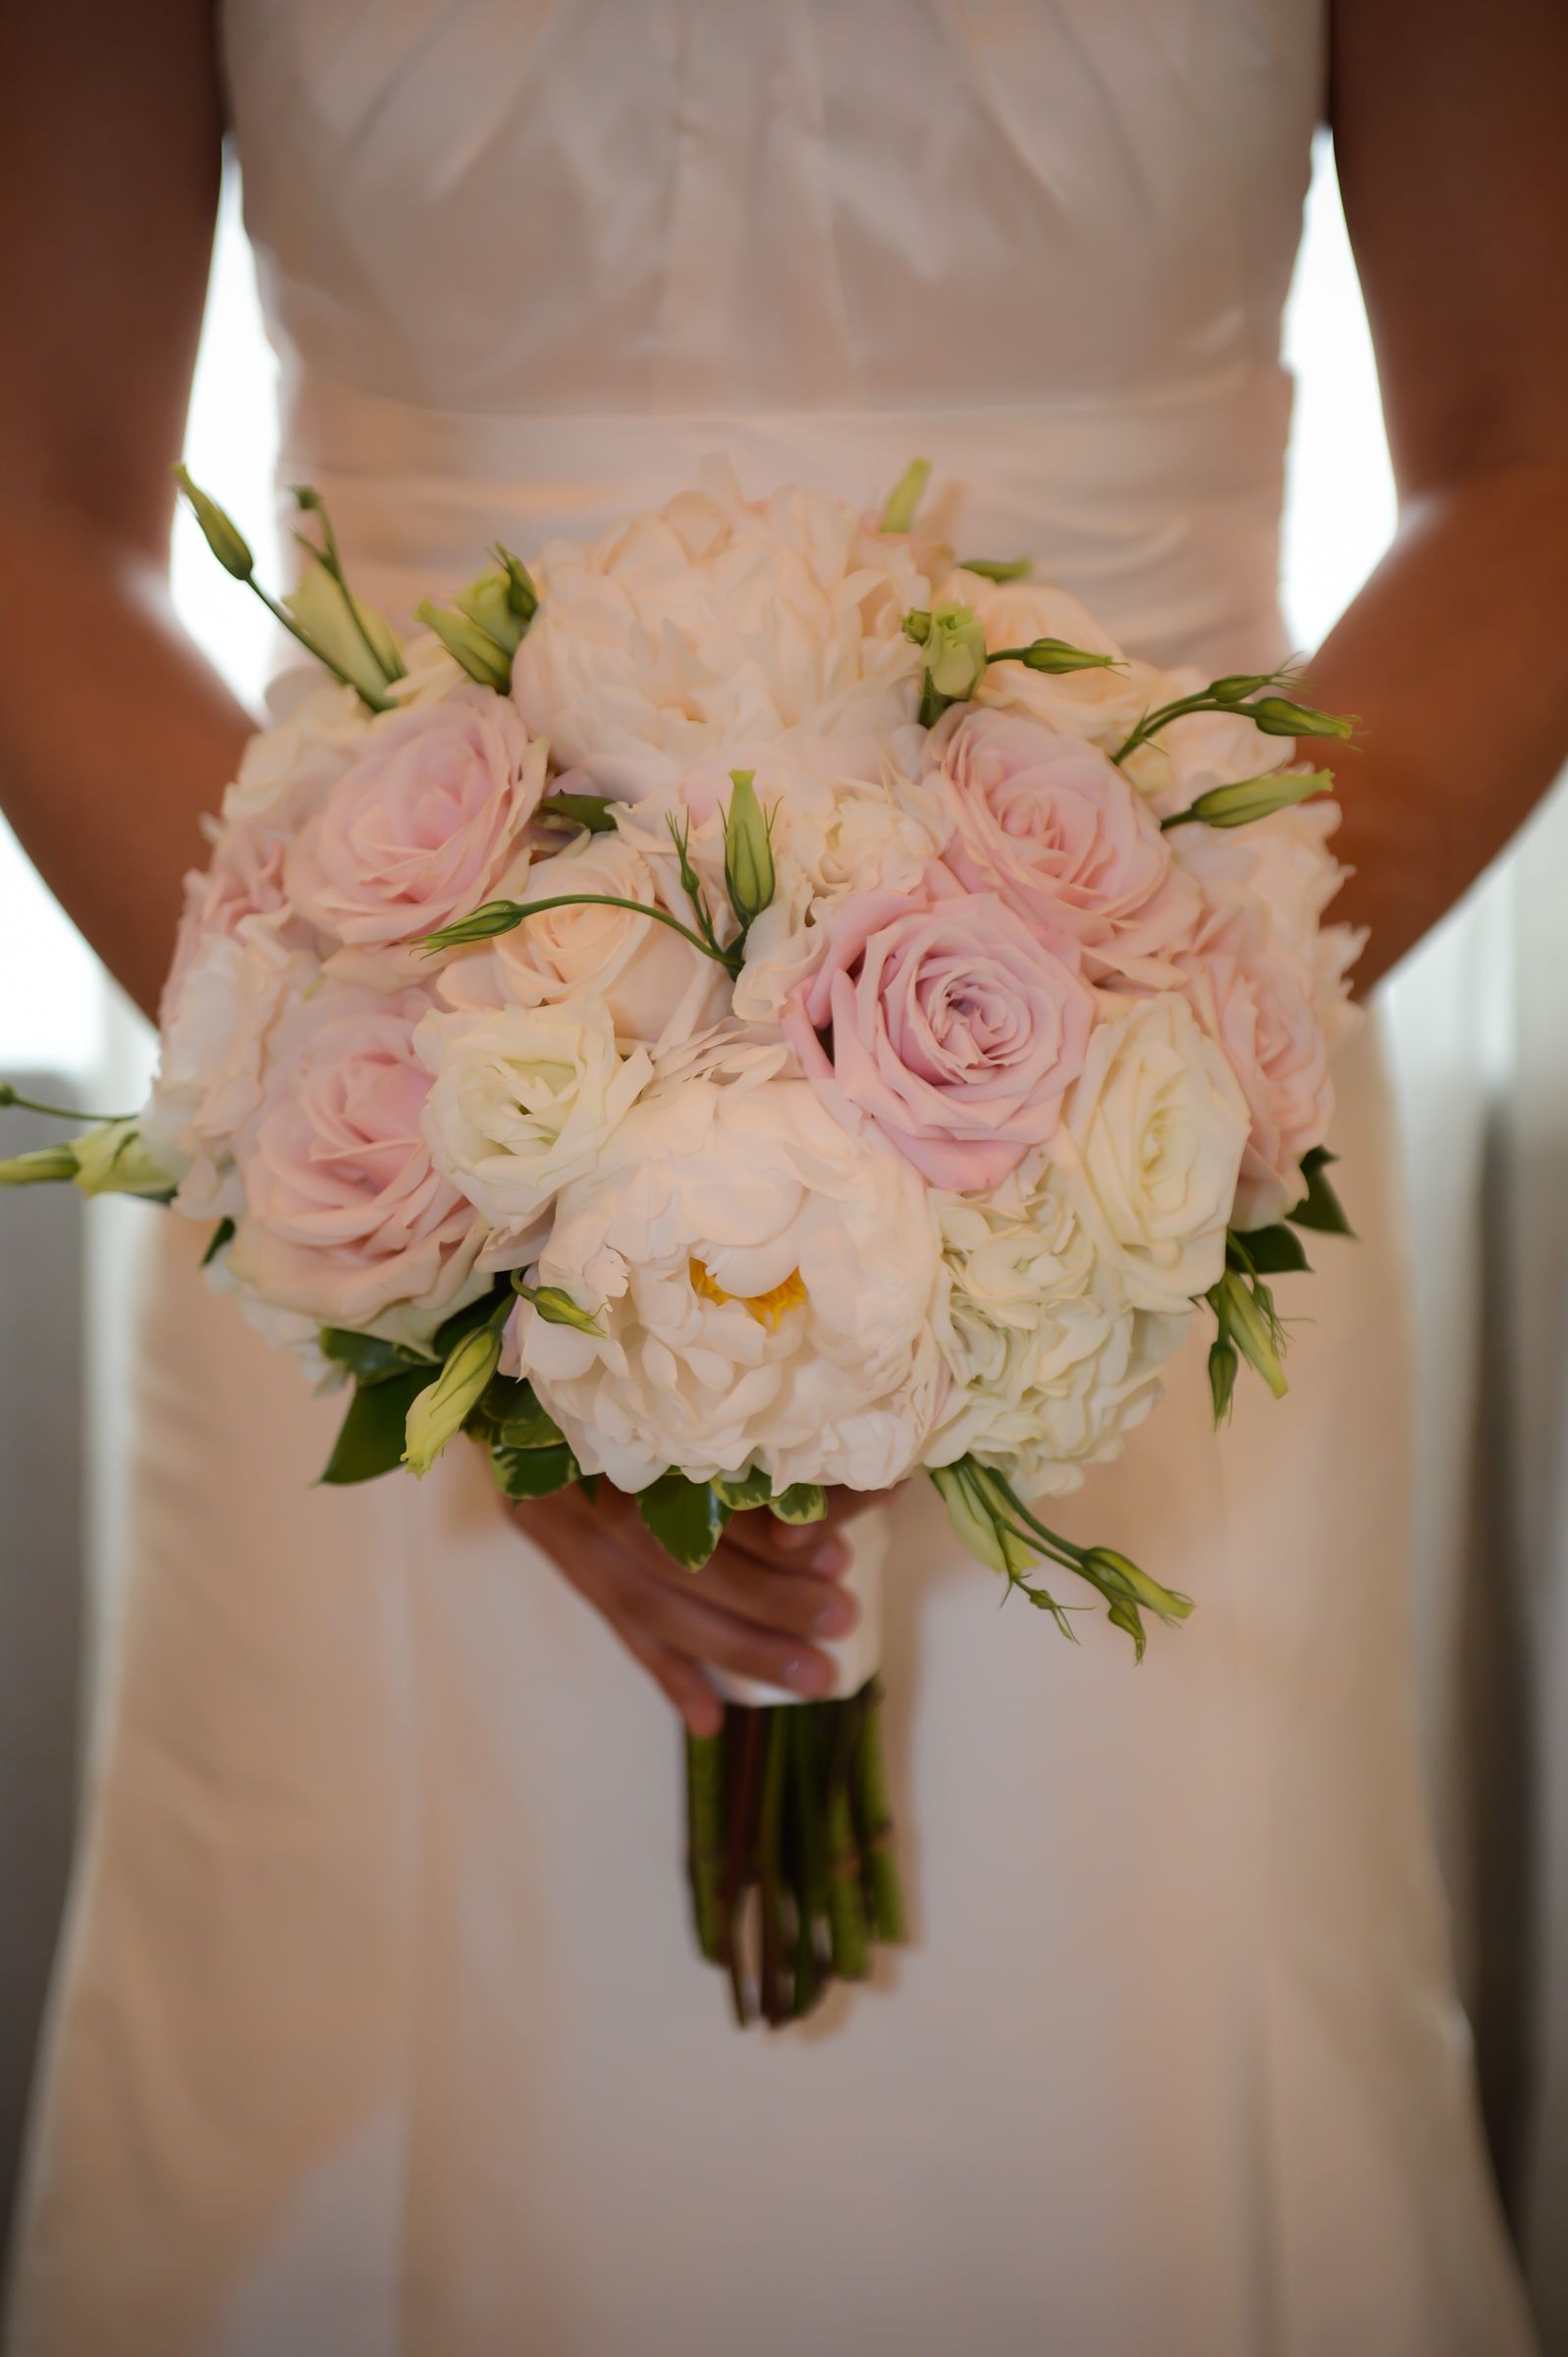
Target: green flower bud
column 1237, row 685
column 523, row 596
column 441, row 1410
column 903, row 501
column 36, row 1169
column 749, row 877
column 1117, row 1574
column 223, row 536
column 1223, row 1365
column 1276, row 716
column 349, row 636
column 977, row 1520
column 487, row 603
column 1252, row 798
column 917, row 626
column 558, row 1308
column 956, row 652
column 1249, row 1321
column 111, row 1160
column 1057, row 658
column 998, row 569
column 494, row 917
column 467, row 644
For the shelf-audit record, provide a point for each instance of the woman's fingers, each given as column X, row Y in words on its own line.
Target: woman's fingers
column 705, row 1632
column 600, row 1575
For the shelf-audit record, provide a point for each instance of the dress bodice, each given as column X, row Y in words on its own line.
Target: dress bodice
column 540, row 256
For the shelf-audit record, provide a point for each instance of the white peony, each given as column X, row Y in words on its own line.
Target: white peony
column 524, row 1102
column 715, row 626
column 766, row 1284
column 1051, row 1366
column 1153, row 1134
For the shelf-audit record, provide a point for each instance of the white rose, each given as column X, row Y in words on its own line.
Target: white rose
column 717, row 624
column 657, row 988
column 1100, row 705
column 1052, row 1367
column 1153, row 1132
column 765, row 1283
column 524, row 1099
column 216, row 1022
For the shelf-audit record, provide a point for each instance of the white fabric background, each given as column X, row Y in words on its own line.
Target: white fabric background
column 1484, row 1093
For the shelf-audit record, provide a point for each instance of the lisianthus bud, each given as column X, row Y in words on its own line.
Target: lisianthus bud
column 494, row 917
column 558, row 1308
column 480, row 655
column 1250, row 798
column 111, row 1160
column 956, row 652
column 523, row 596
column 981, row 1520
column 1247, row 1319
column 749, row 877
column 487, row 602
column 1224, row 1366
column 222, row 534
column 441, row 1410
column 352, row 638
column 1117, row 1574
column 1276, row 716
column 917, row 626
column 1057, row 658
column 1237, row 685
column 36, row 1169
column 903, row 501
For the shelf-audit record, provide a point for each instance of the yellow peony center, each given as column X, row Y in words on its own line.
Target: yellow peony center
column 767, row 1308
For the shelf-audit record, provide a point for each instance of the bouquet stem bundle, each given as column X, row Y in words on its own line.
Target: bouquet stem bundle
column 789, row 1851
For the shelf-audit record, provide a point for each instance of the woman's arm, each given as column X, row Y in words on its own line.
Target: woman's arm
column 114, row 733
column 1448, row 134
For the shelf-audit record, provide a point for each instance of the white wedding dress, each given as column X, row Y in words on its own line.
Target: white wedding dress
column 379, row 2030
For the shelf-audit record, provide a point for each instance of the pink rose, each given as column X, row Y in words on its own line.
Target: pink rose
column 424, row 824
column 346, row 1216
column 1254, row 1000
column 954, row 1026
column 1052, row 825
column 242, row 880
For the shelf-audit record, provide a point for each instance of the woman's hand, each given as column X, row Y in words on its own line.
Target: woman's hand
column 753, row 1609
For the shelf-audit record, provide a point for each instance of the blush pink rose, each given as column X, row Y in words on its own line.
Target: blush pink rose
column 945, row 1019
column 1053, row 826
column 242, row 880
column 1254, row 1000
column 346, row 1216
column 423, row 825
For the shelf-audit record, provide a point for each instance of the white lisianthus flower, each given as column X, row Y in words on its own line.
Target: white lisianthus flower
column 1052, row 1365
column 1152, row 1134
column 657, row 988
column 765, row 1284
column 1100, row 705
column 712, row 625
column 524, row 1102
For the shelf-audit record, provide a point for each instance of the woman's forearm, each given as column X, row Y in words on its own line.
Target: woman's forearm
column 114, row 736
column 1455, row 658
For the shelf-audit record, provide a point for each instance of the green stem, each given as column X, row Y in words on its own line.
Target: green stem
column 607, row 900
column 55, row 1113
column 875, row 1827
column 846, row 1904
column 1158, row 719
column 375, row 703
column 705, row 1839
column 809, row 1852
column 775, row 1995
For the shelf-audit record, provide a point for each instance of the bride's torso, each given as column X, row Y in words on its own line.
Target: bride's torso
column 528, row 261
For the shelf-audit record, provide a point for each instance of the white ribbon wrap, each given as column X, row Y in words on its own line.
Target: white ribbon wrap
column 858, row 1656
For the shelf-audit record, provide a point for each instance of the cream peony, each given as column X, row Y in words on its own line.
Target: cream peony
column 714, row 626
column 1052, row 1367
column 766, row 1284
column 1152, row 1135
column 524, row 1102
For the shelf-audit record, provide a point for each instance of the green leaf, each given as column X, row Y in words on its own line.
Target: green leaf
column 370, row 1442
column 802, row 1501
column 1320, row 1207
column 369, row 1360
column 687, row 1517
column 532, row 1472
column 1268, row 1252
column 222, row 1234
column 558, row 1308
column 583, row 810
column 738, row 1492
column 1126, row 1615
column 518, row 1417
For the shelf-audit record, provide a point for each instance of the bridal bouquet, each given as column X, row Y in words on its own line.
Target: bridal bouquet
column 751, row 1007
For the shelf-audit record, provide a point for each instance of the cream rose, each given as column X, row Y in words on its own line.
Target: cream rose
column 765, row 1283
column 1257, row 1003
column 1152, row 1134
column 1100, row 705
column 525, row 1100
